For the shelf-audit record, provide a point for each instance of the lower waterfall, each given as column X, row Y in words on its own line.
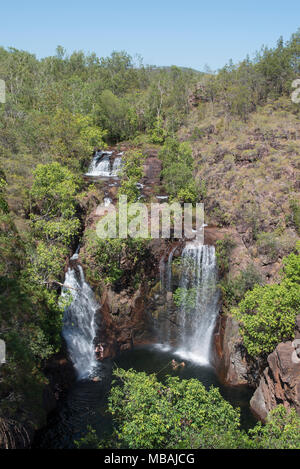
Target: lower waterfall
column 199, row 302
column 79, row 327
column 188, row 330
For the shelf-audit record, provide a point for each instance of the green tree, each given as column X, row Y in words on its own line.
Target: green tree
column 267, row 313
column 281, row 431
column 54, row 204
column 182, row 414
column 177, row 172
column 178, row 414
column 132, row 173
column 104, row 261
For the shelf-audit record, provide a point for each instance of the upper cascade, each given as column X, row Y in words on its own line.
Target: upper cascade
column 104, row 165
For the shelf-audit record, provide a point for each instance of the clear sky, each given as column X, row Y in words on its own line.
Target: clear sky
column 187, row 33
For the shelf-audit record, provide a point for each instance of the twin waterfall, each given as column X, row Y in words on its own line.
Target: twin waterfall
column 79, row 327
column 186, row 329
column 197, row 304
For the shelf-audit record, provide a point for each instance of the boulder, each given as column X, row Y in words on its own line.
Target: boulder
column 280, row 382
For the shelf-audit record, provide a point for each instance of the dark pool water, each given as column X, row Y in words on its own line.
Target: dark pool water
column 85, row 403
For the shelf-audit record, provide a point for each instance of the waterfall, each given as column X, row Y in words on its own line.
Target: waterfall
column 117, row 166
column 162, row 273
column 79, row 327
column 165, row 270
column 102, row 166
column 199, row 302
column 107, row 201
column 188, row 329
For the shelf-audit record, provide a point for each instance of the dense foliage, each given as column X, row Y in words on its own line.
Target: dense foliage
column 183, row 414
column 30, row 324
column 223, row 250
column 132, row 173
column 177, row 171
column 116, row 261
column 54, row 205
column 234, row 289
column 267, row 313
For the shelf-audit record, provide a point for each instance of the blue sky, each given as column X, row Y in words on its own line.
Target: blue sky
column 186, row 33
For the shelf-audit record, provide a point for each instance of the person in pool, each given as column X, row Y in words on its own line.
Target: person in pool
column 175, row 365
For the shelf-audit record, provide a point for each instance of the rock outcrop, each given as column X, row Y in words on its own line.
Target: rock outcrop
column 123, row 321
column 280, row 382
column 229, row 353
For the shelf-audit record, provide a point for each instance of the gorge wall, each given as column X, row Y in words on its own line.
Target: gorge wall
column 280, row 381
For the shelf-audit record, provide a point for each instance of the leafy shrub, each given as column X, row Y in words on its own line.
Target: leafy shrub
column 223, row 250
column 281, row 431
column 131, row 175
column 54, row 203
column 198, row 133
column 269, row 245
column 158, row 134
column 234, row 289
column 178, row 414
column 182, row 414
column 3, row 203
column 267, row 313
column 105, row 256
column 275, row 244
column 295, row 208
column 177, row 173
column 188, row 194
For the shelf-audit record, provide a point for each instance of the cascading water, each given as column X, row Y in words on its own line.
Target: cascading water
column 102, row 166
column 79, row 327
column 117, row 166
column 199, row 302
column 189, row 329
column 107, row 201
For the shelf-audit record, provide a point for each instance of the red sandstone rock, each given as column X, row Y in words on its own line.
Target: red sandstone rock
column 229, row 356
column 280, row 382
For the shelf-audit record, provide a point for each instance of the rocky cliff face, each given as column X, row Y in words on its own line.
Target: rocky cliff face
column 123, row 320
column 280, row 382
column 229, row 353
column 129, row 317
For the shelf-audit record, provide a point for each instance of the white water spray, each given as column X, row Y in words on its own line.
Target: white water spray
column 190, row 329
column 102, row 166
column 199, row 302
column 79, row 327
